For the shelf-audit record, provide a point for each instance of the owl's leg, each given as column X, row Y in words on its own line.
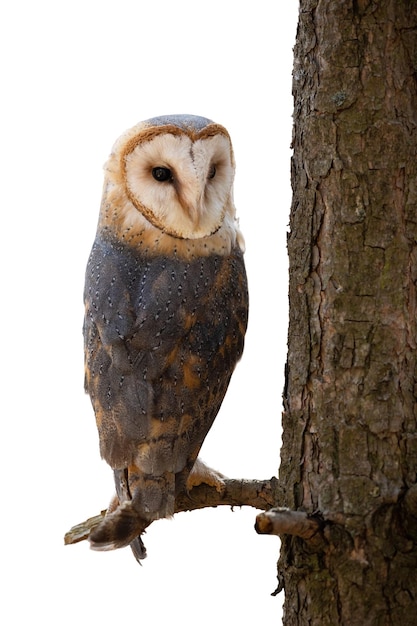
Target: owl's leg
column 203, row 474
column 114, row 503
column 138, row 501
column 118, row 528
column 137, row 545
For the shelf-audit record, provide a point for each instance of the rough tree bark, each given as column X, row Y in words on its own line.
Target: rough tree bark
column 349, row 454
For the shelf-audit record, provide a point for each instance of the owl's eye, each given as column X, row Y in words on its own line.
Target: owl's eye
column 212, row 172
column 162, row 174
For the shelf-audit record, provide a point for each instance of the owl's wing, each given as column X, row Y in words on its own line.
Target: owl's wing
column 123, row 349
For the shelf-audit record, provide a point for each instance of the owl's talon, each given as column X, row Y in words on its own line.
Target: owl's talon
column 203, row 474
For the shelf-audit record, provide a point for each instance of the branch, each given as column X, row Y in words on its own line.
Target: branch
column 285, row 522
column 260, row 494
column 80, row 532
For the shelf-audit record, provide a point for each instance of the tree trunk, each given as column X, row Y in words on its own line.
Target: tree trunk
column 349, row 454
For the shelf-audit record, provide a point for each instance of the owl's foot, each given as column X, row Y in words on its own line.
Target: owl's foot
column 203, row 474
column 118, row 529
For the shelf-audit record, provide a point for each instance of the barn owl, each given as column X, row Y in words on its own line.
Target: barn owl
column 166, row 308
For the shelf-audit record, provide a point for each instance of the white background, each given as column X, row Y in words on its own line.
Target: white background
column 75, row 75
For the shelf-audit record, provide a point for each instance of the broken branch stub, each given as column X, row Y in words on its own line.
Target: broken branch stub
column 281, row 521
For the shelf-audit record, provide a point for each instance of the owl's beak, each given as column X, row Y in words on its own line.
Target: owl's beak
column 193, row 205
column 193, row 213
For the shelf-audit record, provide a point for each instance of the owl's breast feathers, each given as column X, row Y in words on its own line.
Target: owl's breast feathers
column 162, row 337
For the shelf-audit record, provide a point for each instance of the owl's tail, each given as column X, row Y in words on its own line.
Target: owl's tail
column 153, row 497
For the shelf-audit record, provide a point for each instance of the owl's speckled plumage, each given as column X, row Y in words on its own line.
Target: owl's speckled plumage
column 166, row 313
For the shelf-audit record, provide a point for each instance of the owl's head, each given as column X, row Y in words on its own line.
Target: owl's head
column 172, row 177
